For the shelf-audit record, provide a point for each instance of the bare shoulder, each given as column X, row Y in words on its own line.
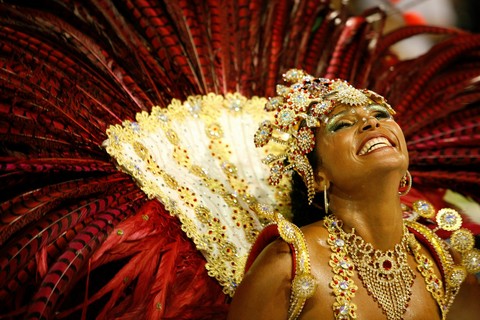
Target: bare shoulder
column 264, row 292
column 466, row 304
column 319, row 250
column 321, row 303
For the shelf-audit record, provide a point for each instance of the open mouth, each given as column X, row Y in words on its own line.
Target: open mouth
column 374, row 144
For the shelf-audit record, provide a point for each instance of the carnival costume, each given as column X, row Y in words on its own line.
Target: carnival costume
column 143, row 167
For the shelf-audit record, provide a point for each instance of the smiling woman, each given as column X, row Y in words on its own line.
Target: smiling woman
column 364, row 260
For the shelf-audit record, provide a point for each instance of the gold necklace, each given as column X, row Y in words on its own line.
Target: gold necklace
column 386, row 275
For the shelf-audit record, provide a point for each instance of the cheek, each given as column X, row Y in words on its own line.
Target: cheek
column 333, row 150
column 401, row 138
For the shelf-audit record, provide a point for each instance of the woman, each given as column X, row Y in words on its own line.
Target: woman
column 363, row 260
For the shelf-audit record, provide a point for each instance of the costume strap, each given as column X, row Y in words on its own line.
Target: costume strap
column 438, row 248
column 303, row 283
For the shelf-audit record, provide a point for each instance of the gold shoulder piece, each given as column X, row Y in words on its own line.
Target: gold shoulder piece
column 303, row 283
column 450, row 272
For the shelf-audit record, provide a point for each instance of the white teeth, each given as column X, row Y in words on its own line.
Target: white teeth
column 374, row 144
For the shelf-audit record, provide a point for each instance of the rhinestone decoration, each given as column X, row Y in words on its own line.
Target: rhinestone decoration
column 304, row 285
column 194, row 107
column 264, row 210
column 306, row 140
column 285, row 118
column 286, row 230
column 275, row 174
column 424, row 209
column 321, row 108
column 263, row 134
column 294, row 75
column 346, row 94
column 300, row 99
column 281, row 90
column 462, row 240
column 274, row 103
column 456, row 276
column 214, row 131
column 448, row 219
column 471, row 261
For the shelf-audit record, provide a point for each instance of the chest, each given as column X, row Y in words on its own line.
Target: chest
column 421, row 304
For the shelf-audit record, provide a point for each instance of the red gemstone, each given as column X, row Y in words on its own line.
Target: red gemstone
column 387, row 265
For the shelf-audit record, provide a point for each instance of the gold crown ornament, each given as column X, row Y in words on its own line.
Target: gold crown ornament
column 298, row 108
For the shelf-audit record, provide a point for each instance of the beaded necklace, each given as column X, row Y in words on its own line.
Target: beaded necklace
column 385, row 275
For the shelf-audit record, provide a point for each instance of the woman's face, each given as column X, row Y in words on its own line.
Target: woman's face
column 356, row 142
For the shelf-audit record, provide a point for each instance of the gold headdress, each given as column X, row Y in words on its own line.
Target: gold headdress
column 299, row 108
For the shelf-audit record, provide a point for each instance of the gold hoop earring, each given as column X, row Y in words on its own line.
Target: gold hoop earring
column 406, row 182
column 325, row 199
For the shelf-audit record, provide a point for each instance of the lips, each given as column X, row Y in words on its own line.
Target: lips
column 374, row 144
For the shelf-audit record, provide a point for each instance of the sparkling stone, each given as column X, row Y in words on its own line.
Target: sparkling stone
column 286, row 117
column 344, row 264
column 321, row 108
column 163, row 117
column 135, row 126
column 275, row 174
column 274, row 103
column 302, row 262
column 214, row 131
column 339, row 242
column 229, row 167
column 312, row 121
column 281, row 89
column 343, row 285
column 300, row 99
column 387, row 265
column 344, row 309
column 457, row 276
column 235, row 105
column 292, row 74
column 471, row 261
column 269, row 158
column 297, row 86
column 276, row 169
column 265, row 208
column 424, row 207
column 194, row 108
column 308, row 78
column 450, row 218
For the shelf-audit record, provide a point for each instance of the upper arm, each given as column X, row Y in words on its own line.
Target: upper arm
column 466, row 304
column 264, row 292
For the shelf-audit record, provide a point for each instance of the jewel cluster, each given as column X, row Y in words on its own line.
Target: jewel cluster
column 461, row 239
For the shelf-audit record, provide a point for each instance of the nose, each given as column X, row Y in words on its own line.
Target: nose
column 370, row 123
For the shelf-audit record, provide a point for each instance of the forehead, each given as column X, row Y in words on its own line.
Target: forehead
column 345, row 108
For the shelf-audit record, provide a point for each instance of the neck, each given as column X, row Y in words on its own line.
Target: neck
column 374, row 212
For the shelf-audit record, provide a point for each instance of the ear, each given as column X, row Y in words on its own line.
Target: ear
column 321, row 181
